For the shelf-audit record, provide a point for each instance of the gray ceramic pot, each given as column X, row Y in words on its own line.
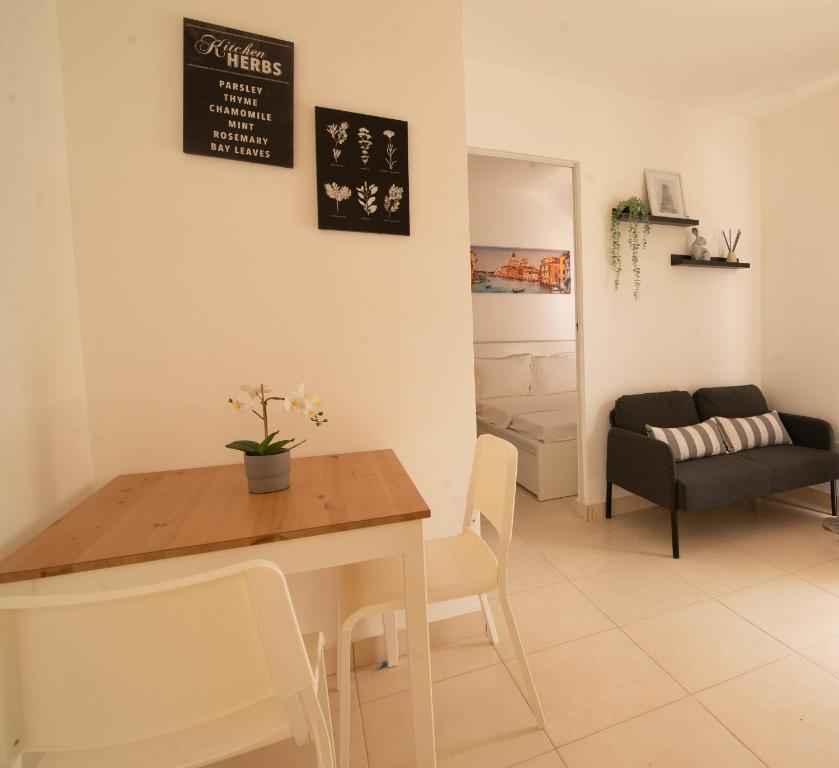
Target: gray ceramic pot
column 268, row 473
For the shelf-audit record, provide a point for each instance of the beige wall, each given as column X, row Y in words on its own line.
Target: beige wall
column 199, row 274
column 44, row 452
column 691, row 327
column 519, row 204
column 801, row 266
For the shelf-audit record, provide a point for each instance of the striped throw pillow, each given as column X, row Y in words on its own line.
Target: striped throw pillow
column 691, row 442
column 753, row 432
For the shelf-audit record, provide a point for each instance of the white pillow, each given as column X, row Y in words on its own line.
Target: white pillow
column 554, row 373
column 502, row 376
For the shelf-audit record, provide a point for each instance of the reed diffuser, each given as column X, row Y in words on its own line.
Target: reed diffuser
column 731, row 245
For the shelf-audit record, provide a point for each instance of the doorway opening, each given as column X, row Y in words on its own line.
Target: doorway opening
column 525, row 268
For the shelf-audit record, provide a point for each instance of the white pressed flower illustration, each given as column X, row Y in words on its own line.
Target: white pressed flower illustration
column 338, row 132
column 365, row 141
column 367, row 197
column 336, row 193
column 392, row 199
column 390, row 150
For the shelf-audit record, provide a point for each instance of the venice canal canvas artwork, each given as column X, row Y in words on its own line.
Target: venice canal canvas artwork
column 519, row 270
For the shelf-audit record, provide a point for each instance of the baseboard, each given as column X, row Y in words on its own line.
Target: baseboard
column 621, row 505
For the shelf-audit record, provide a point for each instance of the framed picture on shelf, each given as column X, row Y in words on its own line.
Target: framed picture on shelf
column 362, row 172
column 664, row 191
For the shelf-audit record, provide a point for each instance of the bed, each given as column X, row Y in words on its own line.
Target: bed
column 531, row 401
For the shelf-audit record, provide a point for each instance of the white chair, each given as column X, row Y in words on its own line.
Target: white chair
column 458, row 566
column 172, row 675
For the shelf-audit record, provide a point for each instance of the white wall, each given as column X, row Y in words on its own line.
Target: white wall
column 519, row 204
column 198, row 274
column 691, row 327
column 44, row 452
column 801, row 269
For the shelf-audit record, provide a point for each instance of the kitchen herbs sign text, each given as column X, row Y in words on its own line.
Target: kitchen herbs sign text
column 238, row 95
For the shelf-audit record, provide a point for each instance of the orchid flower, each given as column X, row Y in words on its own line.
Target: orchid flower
column 256, row 399
column 295, row 399
column 240, row 404
column 255, row 392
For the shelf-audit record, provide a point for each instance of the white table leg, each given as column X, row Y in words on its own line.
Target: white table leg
column 419, row 652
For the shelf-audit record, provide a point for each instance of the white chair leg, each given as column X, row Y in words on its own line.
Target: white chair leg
column 529, row 687
column 324, row 752
column 490, row 620
column 344, row 698
column 391, row 638
column 323, row 696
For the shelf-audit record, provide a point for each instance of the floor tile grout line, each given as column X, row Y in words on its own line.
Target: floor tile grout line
column 739, row 616
column 442, row 679
column 762, row 583
column 788, row 570
column 812, row 583
column 621, row 722
column 535, row 757
column 734, row 735
column 757, row 626
column 686, row 693
column 573, row 536
column 747, row 671
column 707, row 596
column 813, row 661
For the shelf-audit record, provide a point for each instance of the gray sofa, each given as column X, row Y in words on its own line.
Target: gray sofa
column 646, row 467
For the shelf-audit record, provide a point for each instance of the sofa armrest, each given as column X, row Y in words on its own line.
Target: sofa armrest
column 641, row 465
column 808, row 431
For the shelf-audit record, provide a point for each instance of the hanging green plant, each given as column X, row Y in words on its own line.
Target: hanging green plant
column 638, row 219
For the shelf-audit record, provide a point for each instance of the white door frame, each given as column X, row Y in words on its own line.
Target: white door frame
column 577, row 278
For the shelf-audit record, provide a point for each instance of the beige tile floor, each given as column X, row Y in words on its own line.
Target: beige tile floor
column 726, row 657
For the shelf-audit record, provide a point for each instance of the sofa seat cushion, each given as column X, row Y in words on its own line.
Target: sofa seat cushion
column 794, row 466
column 718, row 480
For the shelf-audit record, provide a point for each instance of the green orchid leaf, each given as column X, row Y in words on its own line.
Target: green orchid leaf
column 278, row 447
column 246, row 446
column 265, row 443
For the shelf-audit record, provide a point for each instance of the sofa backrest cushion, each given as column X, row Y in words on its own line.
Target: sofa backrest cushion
column 658, row 409
column 730, row 402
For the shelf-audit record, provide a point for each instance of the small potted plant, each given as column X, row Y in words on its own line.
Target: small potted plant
column 637, row 214
column 267, row 463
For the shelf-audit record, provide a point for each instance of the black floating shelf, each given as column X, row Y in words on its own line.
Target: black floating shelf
column 678, row 260
column 666, row 221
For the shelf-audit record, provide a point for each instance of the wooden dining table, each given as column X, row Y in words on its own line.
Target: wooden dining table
column 151, row 527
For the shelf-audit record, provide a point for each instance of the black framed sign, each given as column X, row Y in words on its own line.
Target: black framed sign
column 362, row 172
column 238, row 95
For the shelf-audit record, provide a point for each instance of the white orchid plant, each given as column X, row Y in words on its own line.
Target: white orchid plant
column 259, row 397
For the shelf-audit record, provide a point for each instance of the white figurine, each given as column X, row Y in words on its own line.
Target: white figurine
column 698, row 251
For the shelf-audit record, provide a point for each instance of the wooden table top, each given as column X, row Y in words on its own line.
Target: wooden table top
column 136, row 518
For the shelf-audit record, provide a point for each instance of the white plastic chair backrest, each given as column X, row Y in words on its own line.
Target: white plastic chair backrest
column 492, row 486
column 94, row 670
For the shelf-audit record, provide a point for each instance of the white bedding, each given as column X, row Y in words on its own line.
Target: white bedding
column 547, row 426
column 500, row 411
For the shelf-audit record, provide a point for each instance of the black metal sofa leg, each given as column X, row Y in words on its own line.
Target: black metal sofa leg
column 609, row 501
column 674, row 530
column 833, row 498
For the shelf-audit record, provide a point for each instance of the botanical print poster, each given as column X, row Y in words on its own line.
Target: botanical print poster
column 362, row 172
column 519, row 270
column 238, row 95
